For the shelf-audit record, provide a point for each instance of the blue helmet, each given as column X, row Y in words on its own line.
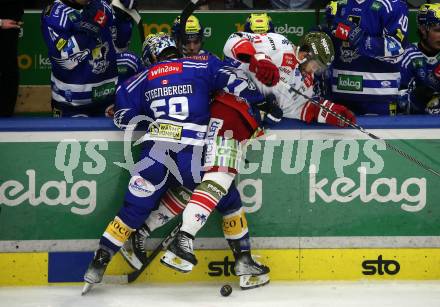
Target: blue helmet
column 428, row 15
column 259, row 23
column 154, row 45
column 193, row 29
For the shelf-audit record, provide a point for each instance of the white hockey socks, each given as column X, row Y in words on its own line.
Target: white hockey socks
column 171, row 205
column 203, row 200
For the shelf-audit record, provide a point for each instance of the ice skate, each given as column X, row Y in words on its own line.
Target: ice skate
column 180, row 254
column 96, row 269
column 252, row 273
column 134, row 250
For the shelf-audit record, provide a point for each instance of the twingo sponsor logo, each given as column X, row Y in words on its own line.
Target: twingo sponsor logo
column 140, row 187
column 51, row 193
column 350, row 83
column 343, row 190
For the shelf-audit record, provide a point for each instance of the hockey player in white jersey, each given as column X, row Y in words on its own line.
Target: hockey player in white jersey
column 227, row 131
column 252, row 274
column 297, row 68
column 420, row 68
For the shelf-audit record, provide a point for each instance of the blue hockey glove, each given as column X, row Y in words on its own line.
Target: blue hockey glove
column 403, row 103
column 347, row 31
column 94, row 13
column 93, row 20
column 274, row 114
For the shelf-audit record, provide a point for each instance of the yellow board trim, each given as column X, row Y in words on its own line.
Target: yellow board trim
column 287, row 265
column 23, row 269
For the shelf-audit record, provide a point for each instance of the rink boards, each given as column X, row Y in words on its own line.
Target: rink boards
column 217, row 265
column 322, row 204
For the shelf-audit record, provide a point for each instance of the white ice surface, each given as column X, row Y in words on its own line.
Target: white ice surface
column 292, row 294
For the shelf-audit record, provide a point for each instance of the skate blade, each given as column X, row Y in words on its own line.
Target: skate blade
column 248, row 282
column 174, row 262
column 87, row 287
column 132, row 260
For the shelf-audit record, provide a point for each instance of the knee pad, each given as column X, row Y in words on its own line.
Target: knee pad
column 235, row 225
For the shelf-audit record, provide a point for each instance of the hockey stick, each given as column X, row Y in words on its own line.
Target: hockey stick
column 187, row 11
column 371, row 135
column 134, row 14
column 162, row 246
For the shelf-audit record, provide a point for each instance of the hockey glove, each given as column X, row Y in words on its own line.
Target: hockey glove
column 94, row 18
column 265, row 70
column 403, row 103
column 274, row 114
column 436, row 71
column 433, row 106
column 348, row 31
column 312, row 112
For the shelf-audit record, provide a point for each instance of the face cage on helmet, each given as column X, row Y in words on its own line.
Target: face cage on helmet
column 192, row 36
column 313, row 62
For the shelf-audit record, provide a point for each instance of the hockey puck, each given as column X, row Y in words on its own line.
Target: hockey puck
column 226, row 290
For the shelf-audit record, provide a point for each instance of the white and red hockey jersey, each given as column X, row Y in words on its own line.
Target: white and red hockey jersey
column 240, row 46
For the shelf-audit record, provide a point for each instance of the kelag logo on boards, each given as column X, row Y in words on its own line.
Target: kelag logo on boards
column 36, row 61
column 221, row 268
column 380, row 266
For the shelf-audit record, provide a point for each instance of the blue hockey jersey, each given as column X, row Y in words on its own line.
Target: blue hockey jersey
column 366, row 78
column 129, row 64
column 84, row 69
column 417, row 71
column 175, row 96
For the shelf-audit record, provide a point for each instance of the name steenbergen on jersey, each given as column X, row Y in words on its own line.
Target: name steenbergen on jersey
column 284, row 55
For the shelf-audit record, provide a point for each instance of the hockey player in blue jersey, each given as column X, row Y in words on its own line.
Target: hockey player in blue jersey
column 175, row 199
column 129, row 64
column 420, row 85
column 192, row 38
column 369, row 37
column 174, row 97
column 82, row 37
